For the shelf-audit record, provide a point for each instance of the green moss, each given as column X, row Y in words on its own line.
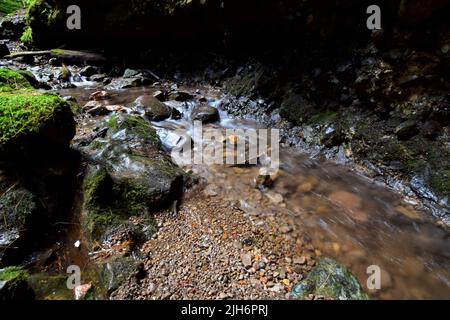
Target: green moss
column 15, row 285
column 13, row 273
column 27, row 36
column 25, row 113
column 110, row 203
column 322, row 117
column 113, row 122
column 136, row 126
column 12, row 81
column 330, row 279
column 440, row 181
column 10, row 6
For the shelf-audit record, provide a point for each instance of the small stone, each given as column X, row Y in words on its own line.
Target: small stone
column 99, row 95
column 246, row 259
column 300, row 260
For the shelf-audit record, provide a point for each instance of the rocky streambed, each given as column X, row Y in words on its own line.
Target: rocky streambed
column 141, row 227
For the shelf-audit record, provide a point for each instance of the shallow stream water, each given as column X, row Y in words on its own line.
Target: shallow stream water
column 344, row 214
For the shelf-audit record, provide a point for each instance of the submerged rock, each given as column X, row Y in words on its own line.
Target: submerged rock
column 14, row 285
column 331, row 280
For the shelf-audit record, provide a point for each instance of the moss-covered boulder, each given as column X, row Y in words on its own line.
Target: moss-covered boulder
column 129, row 176
column 14, row 285
column 18, row 207
column 31, row 121
column 331, row 280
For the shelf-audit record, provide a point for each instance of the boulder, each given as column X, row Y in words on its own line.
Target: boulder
column 12, row 26
column 14, row 285
column 129, row 176
column 30, row 121
column 154, row 109
column 331, row 280
column 205, row 114
column 18, row 207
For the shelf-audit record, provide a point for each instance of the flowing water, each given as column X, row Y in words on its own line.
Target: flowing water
column 344, row 214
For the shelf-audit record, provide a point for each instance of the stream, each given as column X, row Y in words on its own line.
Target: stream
column 344, row 214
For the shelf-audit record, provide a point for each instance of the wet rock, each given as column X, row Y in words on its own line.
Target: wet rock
column 331, row 280
column 296, row 108
column 99, row 95
column 12, row 26
column 205, row 114
column 154, row 109
column 18, row 207
column 116, row 270
column 98, row 77
column 4, row 51
column 406, row 130
column 88, row 71
column 14, row 285
column 160, row 95
column 180, row 96
column 132, row 176
column 118, row 84
column 99, row 110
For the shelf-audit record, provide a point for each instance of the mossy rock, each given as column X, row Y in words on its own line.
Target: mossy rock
column 331, row 280
column 10, row 6
column 30, row 120
column 118, row 269
column 14, row 284
column 12, row 80
column 131, row 176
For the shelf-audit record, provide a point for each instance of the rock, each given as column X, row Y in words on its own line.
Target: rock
column 19, row 207
column 132, row 176
column 35, row 123
column 431, row 129
column 12, row 26
column 300, row 260
column 99, row 110
column 205, row 114
column 4, row 51
column 116, row 270
column 130, row 73
column 88, row 71
column 82, row 292
column 154, row 109
column 98, row 77
column 331, row 280
column 160, row 95
column 126, row 83
column 65, row 74
column 99, row 95
column 14, row 285
column 274, row 197
column 406, row 130
column 180, row 96
column 246, row 259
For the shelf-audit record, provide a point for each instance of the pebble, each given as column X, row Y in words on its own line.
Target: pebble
column 246, row 259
